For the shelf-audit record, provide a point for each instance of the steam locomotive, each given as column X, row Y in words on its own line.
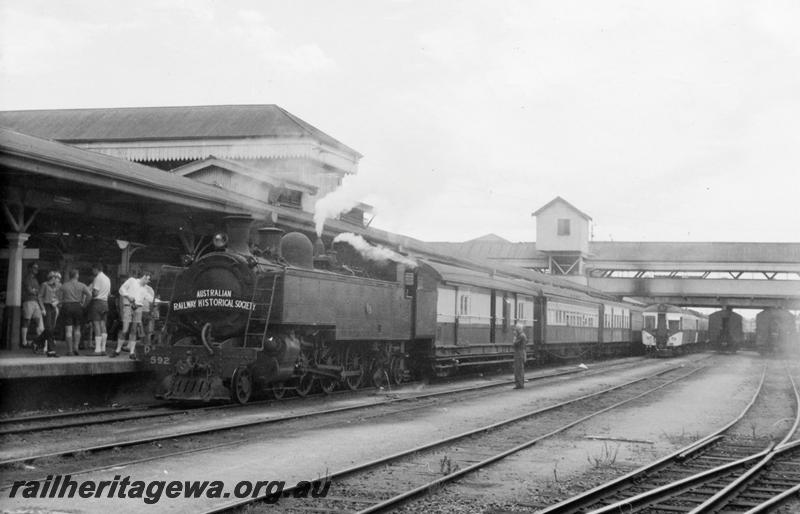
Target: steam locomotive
column 288, row 316
column 776, row 332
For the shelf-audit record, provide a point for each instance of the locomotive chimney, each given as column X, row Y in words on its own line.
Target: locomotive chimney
column 321, row 258
column 319, row 248
column 269, row 238
column 238, row 228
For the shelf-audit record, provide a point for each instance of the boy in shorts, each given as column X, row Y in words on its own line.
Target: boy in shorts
column 31, row 308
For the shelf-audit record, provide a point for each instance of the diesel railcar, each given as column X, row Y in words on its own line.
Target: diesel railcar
column 670, row 330
column 725, row 331
column 776, row 332
column 277, row 317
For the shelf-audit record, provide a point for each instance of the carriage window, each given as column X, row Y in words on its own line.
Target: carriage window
column 464, row 309
column 649, row 323
column 563, row 227
column 674, row 325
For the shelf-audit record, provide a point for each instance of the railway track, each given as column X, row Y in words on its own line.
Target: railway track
column 63, row 420
column 386, row 482
column 719, row 473
column 144, row 449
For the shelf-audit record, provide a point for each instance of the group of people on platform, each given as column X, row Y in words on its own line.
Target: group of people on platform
column 76, row 303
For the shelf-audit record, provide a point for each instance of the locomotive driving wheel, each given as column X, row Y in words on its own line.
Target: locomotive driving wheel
column 279, row 390
column 354, row 362
column 396, row 369
column 241, row 385
column 305, row 382
column 330, row 357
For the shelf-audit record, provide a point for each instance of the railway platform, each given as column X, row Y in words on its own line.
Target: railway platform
column 34, row 382
column 20, row 364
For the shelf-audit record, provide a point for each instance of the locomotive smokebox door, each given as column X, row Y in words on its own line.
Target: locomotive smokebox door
column 216, row 290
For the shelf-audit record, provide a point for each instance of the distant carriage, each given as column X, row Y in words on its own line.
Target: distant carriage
column 725, row 333
column 670, row 330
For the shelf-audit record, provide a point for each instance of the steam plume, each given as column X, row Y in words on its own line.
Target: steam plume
column 371, row 252
column 347, row 196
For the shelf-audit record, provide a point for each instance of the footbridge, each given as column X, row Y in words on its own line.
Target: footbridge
column 742, row 275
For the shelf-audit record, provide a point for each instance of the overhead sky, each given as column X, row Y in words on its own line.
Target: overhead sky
column 663, row 120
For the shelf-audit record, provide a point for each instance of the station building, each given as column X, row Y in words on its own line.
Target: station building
column 137, row 188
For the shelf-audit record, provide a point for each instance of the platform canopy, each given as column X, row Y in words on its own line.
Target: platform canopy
column 74, row 193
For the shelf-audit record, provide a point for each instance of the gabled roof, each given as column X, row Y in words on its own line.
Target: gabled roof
column 559, row 199
column 490, row 238
column 248, row 171
column 165, row 123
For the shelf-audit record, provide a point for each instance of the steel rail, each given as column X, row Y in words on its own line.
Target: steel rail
column 761, row 459
column 137, row 410
column 724, row 495
column 141, row 412
column 290, row 417
column 593, row 495
column 428, row 446
column 778, row 499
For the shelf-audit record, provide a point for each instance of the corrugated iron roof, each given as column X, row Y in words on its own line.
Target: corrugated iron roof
column 474, row 277
column 485, row 250
column 125, row 173
column 165, row 123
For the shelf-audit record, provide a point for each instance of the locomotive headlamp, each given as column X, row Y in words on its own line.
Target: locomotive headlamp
column 220, row 240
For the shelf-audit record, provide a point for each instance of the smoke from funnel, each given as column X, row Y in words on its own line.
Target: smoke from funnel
column 372, row 252
column 352, row 191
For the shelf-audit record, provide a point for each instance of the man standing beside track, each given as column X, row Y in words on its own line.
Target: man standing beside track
column 101, row 287
column 520, row 342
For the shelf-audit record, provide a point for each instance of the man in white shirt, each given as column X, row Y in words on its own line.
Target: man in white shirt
column 133, row 294
column 98, row 308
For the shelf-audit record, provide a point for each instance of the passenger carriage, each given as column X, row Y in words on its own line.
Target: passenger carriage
column 670, row 330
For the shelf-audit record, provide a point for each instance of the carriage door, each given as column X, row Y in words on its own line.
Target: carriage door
column 492, row 315
column 661, row 330
column 410, row 292
column 424, row 304
column 539, row 319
